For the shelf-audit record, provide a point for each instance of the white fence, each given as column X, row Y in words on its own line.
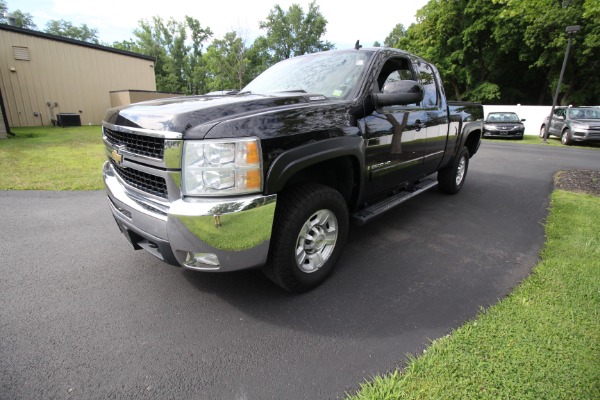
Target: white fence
column 533, row 115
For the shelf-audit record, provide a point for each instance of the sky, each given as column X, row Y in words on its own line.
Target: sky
column 116, row 19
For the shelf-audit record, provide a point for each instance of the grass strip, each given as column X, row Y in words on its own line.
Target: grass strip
column 541, row 342
column 551, row 141
column 52, row 158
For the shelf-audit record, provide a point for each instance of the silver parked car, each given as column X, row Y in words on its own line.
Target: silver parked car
column 574, row 124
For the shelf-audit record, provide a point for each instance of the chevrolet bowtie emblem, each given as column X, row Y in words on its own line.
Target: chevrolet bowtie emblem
column 118, row 158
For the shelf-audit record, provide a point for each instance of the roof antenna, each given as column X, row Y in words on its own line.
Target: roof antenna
column 357, row 46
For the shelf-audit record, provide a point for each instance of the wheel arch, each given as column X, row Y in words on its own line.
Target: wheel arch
column 335, row 162
column 472, row 141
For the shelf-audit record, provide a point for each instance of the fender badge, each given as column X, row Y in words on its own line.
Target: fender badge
column 118, row 158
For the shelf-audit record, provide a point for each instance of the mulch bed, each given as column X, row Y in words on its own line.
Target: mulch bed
column 582, row 181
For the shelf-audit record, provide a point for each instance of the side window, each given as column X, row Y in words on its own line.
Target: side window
column 431, row 96
column 395, row 69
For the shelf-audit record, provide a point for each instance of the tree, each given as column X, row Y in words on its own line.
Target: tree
column 177, row 48
column 21, row 19
column 227, row 63
column 508, row 51
column 437, row 37
column 127, row 45
column 259, row 57
column 395, row 36
column 543, row 43
column 196, row 69
column 293, row 33
column 67, row 29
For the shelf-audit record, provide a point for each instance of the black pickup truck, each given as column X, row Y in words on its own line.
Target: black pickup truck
column 271, row 176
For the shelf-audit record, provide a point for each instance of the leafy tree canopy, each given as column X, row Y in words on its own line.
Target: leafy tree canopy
column 395, row 36
column 21, row 19
column 508, row 51
column 177, row 47
column 67, row 29
column 293, row 33
column 227, row 63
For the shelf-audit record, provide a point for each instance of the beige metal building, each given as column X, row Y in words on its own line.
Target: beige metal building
column 42, row 76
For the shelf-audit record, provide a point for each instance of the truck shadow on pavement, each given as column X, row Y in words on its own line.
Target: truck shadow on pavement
column 420, row 267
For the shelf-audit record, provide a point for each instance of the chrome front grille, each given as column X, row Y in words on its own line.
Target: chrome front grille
column 143, row 181
column 147, row 146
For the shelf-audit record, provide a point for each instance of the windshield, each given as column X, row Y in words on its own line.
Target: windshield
column 331, row 74
column 584, row 113
column 503, row 117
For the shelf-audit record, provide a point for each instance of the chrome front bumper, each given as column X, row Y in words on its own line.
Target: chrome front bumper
column 207, row 234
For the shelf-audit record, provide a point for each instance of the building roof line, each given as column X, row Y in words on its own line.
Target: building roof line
column 74, row 42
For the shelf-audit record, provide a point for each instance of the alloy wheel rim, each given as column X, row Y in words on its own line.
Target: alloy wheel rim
column 460, row 171
column 316, row 241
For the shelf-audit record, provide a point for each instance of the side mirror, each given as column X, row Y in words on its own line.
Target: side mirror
column 399, row 93
column 523, row 120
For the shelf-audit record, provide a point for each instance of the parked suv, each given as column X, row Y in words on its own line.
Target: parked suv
column 504, row 125
column 574, row 124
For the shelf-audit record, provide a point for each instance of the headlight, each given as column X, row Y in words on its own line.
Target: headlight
column 221, row 167
column 576, row 125
column 489, row 127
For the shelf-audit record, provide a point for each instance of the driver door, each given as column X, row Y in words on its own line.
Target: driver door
column 396, row 136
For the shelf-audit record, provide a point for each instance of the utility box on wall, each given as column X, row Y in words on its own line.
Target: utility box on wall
column 68, row 119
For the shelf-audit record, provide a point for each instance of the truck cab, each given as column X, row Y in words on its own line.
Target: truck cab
column 271, row 177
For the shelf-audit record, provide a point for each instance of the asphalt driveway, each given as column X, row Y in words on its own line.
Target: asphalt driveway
column 84, row 316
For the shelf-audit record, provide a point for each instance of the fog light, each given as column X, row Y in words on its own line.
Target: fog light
column 201, row 261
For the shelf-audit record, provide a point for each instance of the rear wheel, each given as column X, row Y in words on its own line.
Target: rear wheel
column 543, row 131
column 565, row 138
column 451, row 178
column 309, row 233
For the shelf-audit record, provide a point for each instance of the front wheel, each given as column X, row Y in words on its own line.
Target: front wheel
column 309, row 233
column 451, row 178
column 543, row 131
column 566, row 137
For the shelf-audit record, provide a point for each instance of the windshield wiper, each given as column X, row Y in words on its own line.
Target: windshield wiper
column 292, row 91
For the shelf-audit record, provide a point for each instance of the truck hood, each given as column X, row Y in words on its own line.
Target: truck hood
column 196, row 115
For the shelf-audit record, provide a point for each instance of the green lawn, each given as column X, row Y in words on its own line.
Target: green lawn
column 551, row 141
column 42, row 158
column 541, row 342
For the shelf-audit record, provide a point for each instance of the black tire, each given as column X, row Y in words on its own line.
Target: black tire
column 306, row 212
column 565, row 138
column 543, row 131
column 451, row 178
